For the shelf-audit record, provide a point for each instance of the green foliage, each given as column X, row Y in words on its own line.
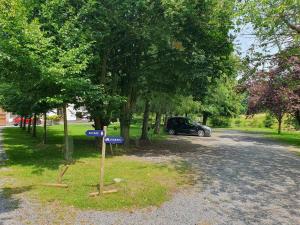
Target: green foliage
column 223, row 100
column 220, row 121
column 274, row 23
column 292, row 123
column 55, row 118
column 269, row 120
column 104, row 55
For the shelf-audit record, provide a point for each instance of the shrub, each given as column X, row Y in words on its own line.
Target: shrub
column 237, row 122
column 292, row 123
column 220, row 121
column 55, row 118
column 269, row 121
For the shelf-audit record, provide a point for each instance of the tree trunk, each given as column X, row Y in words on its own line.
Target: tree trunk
column 125, row 121
column 297, row 117
column 205, row 117
column 66, row 133
column 157, row 123
column 125, row 128
column 29, row 124
column 98, row 126
column 165, row 119
column 21, row 122
column 279, row 124
column 145, row 127
column 45, row 129
column 34, row 126
column 24, row 123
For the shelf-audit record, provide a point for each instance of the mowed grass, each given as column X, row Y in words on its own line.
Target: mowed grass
column 32, row 164
column 255, row 124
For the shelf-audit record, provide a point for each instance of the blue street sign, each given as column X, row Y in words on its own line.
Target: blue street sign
column 94, row 133
column 113, row 140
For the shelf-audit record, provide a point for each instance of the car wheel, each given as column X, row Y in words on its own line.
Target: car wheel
column 171, row 132
column 200, row 133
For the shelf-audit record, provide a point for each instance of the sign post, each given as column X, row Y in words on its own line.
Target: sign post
column 101, row 184
column 105, row 140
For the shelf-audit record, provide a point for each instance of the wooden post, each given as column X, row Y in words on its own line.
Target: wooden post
column 101, row 184
column 66, row 142
column 45, row 128
column 111, row 150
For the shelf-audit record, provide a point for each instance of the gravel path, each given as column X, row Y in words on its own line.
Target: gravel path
column 241, row 179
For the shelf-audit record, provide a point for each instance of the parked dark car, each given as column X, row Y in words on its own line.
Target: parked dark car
column 183, row 125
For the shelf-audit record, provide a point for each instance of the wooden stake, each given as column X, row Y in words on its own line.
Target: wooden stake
column 111, row 149
column 56, row 185
column 94, row 194
column 62, row 173
column 101, row 184
column 110, row 191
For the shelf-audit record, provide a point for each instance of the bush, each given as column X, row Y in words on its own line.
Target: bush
column 55, row 118
column 269, row 121
column 292, row 123
column 253, row 122
column 219, row 121
column 237, row 122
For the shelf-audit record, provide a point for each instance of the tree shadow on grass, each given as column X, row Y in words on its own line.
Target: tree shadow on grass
column 24, row 150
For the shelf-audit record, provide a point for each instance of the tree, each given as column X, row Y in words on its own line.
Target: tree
column 222, row 100
column 275, row 24
column 43, row 52
column 276, row 90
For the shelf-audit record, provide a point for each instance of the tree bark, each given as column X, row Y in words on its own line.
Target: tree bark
column 45, row 129
column 21, row 122
column 66, row 133
column 145, row 127
column 297, row 117
column 125, row 119
column 157, row 123
column 279, row 124
column 205, row 117
column 125, row 128
column 29, row 124
column 34, row 126
column 24, row 123
column 166, row 119
column 98, row 126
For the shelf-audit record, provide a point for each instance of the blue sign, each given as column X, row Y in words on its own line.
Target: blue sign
column 113, row 140
column 94, row 133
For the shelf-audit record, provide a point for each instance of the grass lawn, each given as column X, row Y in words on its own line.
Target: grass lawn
column 31, row 164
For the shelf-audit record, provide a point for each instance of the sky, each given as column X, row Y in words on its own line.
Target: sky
column 245, row 39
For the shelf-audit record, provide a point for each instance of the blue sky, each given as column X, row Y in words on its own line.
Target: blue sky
column 245, row 39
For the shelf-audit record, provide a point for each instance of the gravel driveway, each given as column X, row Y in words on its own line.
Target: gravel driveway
column 241, row 179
